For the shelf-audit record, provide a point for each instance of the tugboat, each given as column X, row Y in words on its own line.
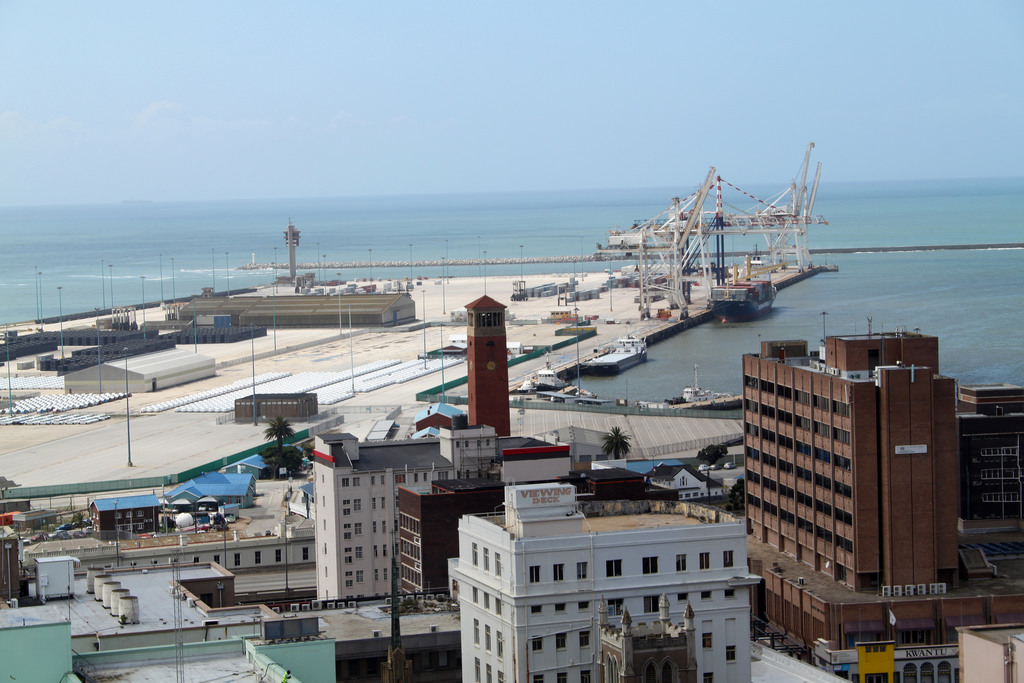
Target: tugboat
column 626, row 352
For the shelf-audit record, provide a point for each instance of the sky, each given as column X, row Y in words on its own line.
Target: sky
column 108, row 101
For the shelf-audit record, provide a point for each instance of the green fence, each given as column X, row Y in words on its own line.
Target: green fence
column 88, row 487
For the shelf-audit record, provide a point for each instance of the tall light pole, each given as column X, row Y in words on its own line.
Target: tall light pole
column 275, row 270
column 252, row 341
column 110, row 279
column 424, row 297
column 60, row 312
column 143, row 278
column 99, row 352
column 351, row 353
column 127, row 409
column 161, row 277
column 7, row 348
column 117, row 537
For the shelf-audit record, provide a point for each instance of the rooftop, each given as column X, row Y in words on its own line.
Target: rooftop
column 126, row 502
column 642, row 521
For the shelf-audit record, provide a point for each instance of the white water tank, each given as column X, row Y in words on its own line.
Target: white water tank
column 128, row 607
column 184, row 520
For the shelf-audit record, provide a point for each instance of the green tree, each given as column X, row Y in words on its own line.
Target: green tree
column 278, row 429
column 713, row 453
column 737, row 496
column 288, row 457
column 616, row 443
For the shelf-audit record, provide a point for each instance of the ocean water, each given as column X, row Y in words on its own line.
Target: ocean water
column 971, row 299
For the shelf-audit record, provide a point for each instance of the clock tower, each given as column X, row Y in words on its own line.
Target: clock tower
column 487, row 353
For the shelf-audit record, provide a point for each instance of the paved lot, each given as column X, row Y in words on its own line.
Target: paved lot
column 170, row 442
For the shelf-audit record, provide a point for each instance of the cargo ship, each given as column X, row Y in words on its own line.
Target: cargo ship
column 625, row 353
column 740, row 301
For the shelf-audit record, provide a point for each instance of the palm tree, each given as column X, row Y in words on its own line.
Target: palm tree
column 616, row 443
column 278, row 429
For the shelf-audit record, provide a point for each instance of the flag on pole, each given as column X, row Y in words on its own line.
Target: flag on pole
column 892, row 618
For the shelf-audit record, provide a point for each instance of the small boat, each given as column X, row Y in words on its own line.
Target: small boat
column 547, row 380
column 625, row 353
column 693, row 393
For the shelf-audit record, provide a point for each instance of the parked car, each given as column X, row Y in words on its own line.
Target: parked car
column 704, row 468
column 60, row 536
column 65, row 527
column 729, row 466
column 78, row 533
column 39, row 538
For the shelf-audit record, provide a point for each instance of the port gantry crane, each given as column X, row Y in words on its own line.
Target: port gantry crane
column 688, row 239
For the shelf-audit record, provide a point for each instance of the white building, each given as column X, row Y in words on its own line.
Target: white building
column 356, row 508
column 529, row 583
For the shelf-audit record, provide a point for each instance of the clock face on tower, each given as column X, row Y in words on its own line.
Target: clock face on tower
column 491, row 365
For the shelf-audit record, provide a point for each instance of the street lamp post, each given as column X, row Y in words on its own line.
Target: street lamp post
column 143, row 278
column 424, row 297
column 351, row 352
column 275, row 270
column 60, row 313
column 99, row 352
column 127, row 409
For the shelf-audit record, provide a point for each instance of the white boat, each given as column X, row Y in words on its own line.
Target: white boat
column 547, row 380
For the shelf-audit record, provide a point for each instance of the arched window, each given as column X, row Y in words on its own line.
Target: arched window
column 650, row 673
column 945, row 672
column 927, row 673
column 613, row 670
column 910, row 673
column 667, row 675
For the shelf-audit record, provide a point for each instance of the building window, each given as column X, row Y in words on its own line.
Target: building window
column 613, row 568
column 476, row 631
column 476, row 670
column 705, row 560
column 277, row 555
column 706, row 641
column 558, row 572
column 487, row 601
column 585, row 676
column 726, row 558
column 535, row 573
column 536, row 609
column 359, row 576
column 500, row 638
column 559, row 606
column 615, row 607
column 560, row 641
column 730, row 592
column 581, row 571
column 400, row 479
column 238, row 559
column 682, row 597
column 681, row 563
column 489, row 674
column 561, row 677
column 497, row 564
column 584, row 638
column 487, row 638
column 650, row 565
column 730, row 653
column 474, row 555
column 538, row 678
column 709, row 678
column 705, row 595
column 651, row 603
column 487, row 560
column 476, row 595
column 583, row 605
column 536, row 644
column 497, row 605
column 305, row 552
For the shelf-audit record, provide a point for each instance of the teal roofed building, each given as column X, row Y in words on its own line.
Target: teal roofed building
column 437, row 415
column 226, row 488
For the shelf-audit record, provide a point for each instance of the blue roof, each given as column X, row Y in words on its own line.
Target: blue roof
column 253, row 460
column 127, row 502
column 426, row 433
column 645, row 466
column 216, row 484
column 435, row 408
